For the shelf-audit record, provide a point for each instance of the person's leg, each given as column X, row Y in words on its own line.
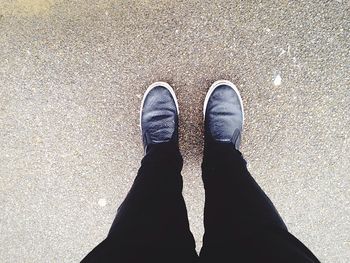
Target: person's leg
column 241, row 223
column 151, row 224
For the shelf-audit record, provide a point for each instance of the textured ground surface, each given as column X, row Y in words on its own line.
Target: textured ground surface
column 72, row 74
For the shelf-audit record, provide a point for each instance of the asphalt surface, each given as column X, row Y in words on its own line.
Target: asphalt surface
column 72, row 75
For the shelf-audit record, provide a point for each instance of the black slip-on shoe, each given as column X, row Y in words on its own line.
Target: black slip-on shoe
column 159, row 115
column 223, row 114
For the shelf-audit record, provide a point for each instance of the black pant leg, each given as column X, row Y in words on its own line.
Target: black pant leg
column 151, row 224
column 241, row 223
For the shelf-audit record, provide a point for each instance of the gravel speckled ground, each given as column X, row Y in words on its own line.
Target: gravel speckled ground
column 72, row 74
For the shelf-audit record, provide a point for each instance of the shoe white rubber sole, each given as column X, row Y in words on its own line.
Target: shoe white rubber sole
column 214, row 86
column 152, row 86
